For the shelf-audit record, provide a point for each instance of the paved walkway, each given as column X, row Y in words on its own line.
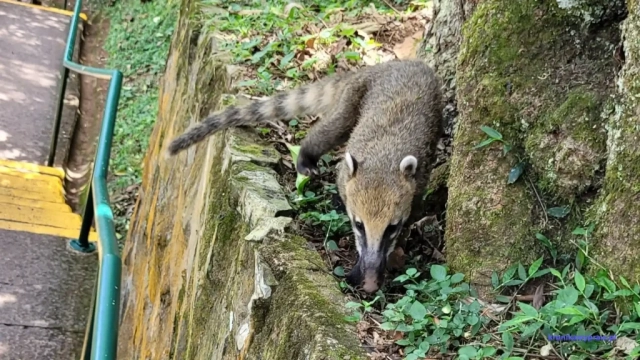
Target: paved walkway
column 45, row 288
column 32, row 43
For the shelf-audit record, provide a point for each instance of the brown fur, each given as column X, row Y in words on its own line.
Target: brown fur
column 388, row 113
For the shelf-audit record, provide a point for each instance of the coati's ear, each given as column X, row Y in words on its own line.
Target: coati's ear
column 352, row 164
column 409, row 165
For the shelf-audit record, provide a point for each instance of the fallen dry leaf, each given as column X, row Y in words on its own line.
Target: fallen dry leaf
column 310, row 43
column 407, row 49
column 396, row 259
column 538, row 297
column 248, row 12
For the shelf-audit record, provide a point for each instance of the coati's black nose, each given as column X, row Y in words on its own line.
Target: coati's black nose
column 370, row 286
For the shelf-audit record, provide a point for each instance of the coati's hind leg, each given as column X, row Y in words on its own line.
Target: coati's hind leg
column 333, row 130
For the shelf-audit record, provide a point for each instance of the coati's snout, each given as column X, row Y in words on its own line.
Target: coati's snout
column 368, row 271
column 378, row 207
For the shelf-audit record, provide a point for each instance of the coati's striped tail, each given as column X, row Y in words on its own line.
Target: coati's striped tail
column 311, row 99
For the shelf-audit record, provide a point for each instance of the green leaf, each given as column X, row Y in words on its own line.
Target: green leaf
column 331, row 245
column 540, row 273
column 556, row 273
column 531, row 329
column 508, row 275
column 629, row 326
column 636, row 305
column 507, row 339
column 352, row 304
column 287, row 59
column 528, row 309
column 338, row 271
column 522, row 273
column 387, row 326
column 468, row 351
column 506, row 148
column 588, row 290
column 558, row 212
column 411, row 271
column 580, row 283
column 494, row 280
column 301, row 180
column 351, row 55
column 624, row 282
column 543, row 239
column 355, row 317
column 417, row 311
column 515, row 172
column 492, row 133
column 569, row 311
column 472, row 319
column 438, row 272
column 568, row 295
column 484, row 143
column 515, row 321
column 579, row 231
column 513, row 282
column 456, row 278
column 489, row 351
column 535, row 266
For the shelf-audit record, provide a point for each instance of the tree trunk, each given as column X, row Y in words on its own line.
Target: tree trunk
column 543, row 74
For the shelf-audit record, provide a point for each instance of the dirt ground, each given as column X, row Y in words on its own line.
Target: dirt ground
column 93, row 94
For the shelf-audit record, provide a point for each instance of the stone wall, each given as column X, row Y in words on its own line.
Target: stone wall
column 212, row 268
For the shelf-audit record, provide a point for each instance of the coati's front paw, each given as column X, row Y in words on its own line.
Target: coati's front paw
column 307, row 164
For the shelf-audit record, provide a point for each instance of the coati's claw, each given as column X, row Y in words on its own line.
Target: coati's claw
column 306, row 165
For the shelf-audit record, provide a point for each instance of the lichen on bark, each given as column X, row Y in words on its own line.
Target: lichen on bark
column 617, row 211
column 531, row 71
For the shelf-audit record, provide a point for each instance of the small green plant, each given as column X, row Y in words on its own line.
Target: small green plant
column 438, row 315
column 301, row 180
column 433, row 316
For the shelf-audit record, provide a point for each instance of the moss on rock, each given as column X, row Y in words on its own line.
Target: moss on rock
column 617, row 210
column 568, row 147
column 529, row 70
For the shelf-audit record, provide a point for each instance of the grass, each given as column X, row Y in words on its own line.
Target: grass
column 138, row 45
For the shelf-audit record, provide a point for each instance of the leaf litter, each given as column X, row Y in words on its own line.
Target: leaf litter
column 277, row 46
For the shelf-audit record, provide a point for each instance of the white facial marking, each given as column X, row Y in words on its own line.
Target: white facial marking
column 409, row 164
column 349, row 160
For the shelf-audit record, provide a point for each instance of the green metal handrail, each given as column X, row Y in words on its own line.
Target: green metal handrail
column 101, row 338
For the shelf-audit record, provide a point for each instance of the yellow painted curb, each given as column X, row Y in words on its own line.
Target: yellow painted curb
column 35, row 197
column 45, row 230
column 11, row 200
column 34, row 168
column 45, row 8
column 39, row 186
column 28, row 175
column 39, row 216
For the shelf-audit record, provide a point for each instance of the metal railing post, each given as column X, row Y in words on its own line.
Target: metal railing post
column 83, row 244
column 88, row 335
column 58, row 119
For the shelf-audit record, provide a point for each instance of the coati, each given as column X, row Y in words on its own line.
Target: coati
column 390, row 115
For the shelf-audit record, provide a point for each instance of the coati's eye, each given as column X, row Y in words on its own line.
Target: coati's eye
column 360, row 226
column 391, row 229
